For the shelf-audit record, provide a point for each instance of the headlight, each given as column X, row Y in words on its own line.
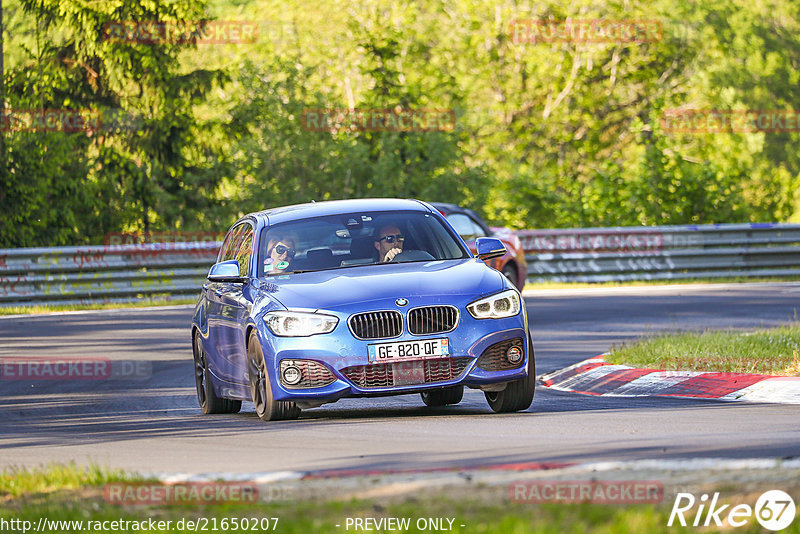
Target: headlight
column 297, row 324
column 505, row 304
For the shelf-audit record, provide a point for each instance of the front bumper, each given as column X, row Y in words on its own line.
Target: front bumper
column 346, row 358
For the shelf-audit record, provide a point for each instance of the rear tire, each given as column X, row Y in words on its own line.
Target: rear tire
column 443, row 397
column 518, row 395
column 267, row 408
column 208, row 400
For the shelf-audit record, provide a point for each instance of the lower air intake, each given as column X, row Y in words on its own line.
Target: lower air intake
column 382, row 375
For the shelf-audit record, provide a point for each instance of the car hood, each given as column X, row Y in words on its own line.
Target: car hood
column 429, row 282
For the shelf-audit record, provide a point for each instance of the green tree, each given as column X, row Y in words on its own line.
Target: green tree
column 148, row 167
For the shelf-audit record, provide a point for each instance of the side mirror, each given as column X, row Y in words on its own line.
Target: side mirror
column 489, row 247
column 225, row 271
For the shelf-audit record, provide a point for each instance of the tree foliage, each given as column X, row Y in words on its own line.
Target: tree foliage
column 557, row 133
column 143, row 168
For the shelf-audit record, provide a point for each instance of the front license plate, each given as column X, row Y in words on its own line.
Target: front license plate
column 408, row 373
column 408, row 350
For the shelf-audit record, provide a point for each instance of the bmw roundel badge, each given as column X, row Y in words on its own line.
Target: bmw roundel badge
column 401, row 302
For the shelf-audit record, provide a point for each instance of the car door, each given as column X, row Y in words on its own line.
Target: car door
column 213, row 298
column 227, row 308
column 236, row 306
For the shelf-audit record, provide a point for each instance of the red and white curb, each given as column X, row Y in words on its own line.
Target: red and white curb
column 268, row 477
column 359, row 483
column 595, row 376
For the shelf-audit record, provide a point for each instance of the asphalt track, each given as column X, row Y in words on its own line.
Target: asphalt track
column 153, row 424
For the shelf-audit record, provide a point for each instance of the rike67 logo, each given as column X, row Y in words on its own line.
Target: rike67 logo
column 774, row 510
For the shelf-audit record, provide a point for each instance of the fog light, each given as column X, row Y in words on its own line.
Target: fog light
column 514, row 354
column 291, row 375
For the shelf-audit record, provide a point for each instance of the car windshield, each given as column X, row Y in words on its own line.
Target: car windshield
column 354, row 239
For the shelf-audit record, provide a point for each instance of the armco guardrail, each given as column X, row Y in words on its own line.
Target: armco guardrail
column 662, row 252
column 103, row 273
column 128, row 272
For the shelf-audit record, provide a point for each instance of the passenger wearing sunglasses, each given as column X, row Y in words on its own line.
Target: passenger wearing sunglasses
column 280, row 253
column 389, row 242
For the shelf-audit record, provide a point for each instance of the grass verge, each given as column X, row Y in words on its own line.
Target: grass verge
column 16, row 483
column 54, row 308
column 79, row 505
column 774, row 351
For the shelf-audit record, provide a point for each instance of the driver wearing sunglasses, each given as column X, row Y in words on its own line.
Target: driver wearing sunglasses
column 280, row 253
column 389, row 242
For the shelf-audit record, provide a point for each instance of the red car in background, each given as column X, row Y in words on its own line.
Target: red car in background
column 470, row 227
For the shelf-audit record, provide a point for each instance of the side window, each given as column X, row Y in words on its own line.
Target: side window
column 244, row 250
column 463, row 225
column 229, row 246
column 477, row 229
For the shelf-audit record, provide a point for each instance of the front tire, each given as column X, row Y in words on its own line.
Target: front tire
column 443, row 397
column 206, row 397
column 267, row 408
column 518, row 395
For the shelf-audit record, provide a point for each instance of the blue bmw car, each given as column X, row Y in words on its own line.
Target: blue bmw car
column 311, row 303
